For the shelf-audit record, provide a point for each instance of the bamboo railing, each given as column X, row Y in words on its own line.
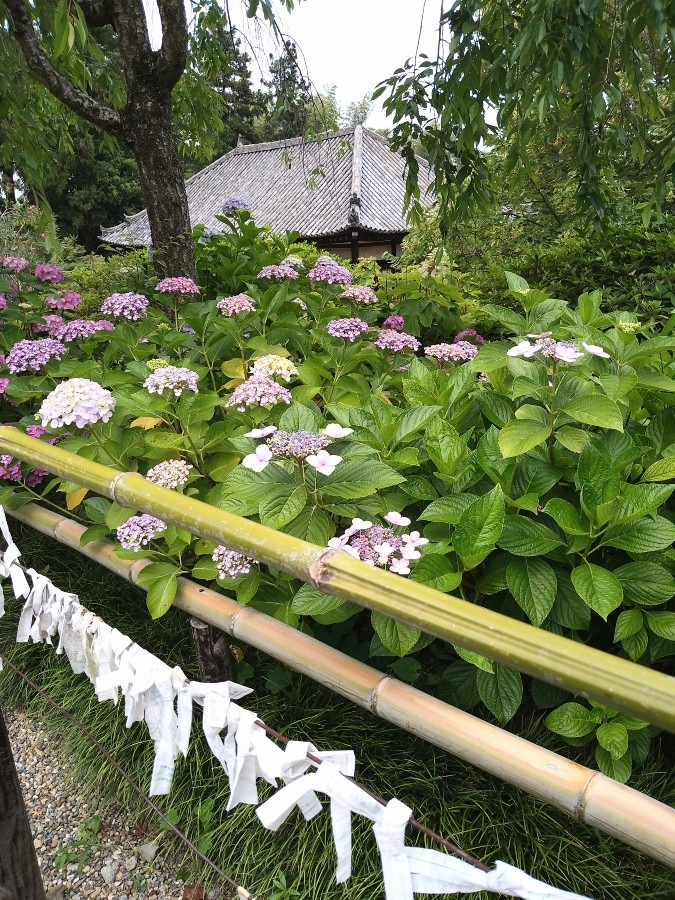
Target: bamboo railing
column 618, row 683
column 587, row 795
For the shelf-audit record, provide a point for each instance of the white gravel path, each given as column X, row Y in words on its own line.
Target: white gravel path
column 114, row 868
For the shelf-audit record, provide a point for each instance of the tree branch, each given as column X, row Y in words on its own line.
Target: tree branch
column 173, row 55
column 42, row 68
column 97, row 13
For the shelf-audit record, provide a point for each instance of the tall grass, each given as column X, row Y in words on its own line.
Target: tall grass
column 480, row 813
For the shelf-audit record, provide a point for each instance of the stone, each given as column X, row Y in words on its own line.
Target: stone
column 108, row 874
column 130, row 863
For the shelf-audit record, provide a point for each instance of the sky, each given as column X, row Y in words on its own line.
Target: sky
column 353, row 44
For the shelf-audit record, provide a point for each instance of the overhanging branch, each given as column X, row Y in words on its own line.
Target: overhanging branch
column 173, row 55
column 42, row 68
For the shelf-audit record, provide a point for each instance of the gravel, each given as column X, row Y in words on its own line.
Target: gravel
column 115, row 868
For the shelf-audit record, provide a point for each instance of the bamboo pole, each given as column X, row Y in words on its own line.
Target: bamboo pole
column 615, row 682
column 586, row 795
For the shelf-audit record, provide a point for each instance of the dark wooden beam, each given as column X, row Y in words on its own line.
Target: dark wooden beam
column 355, row 245
column 20, row 877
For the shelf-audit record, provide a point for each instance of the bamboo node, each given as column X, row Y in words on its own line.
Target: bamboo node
column 317, row 571
column 580, row 806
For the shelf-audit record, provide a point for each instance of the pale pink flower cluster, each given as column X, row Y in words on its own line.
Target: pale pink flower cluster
column 277, row 273
column 127, row 306
column 80, row 328
column 177, row 286
column 78, row 401
column 461, row 351
column 361, row 294
column 231, row 563
column 14, row 263
column 347, row 329
column 396, row 341
column 238, row 303
column 378, row 545
column 330, row 274
column 563, row 351
column 33, row 355
column 258, row 390
column 138, row 531
column 63, row 300
column 3, row 302
column 274, row 367
column 175, row 379
column 169, row 474
column 298, row 445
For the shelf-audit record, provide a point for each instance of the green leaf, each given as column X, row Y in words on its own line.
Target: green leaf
column 412, row 420
column 567, row 517
column 358, row 478
column 646, row 583
column 312, row 524
column 479, row 528
column 476, row 659
column 501, row 691
column 613, row 737
column 162, row 584
column 117, row 515
column 640, row 499
column 301, row 417
column 308, row 601
column 572, row 439
column 617, row 386
column 628, row 623
column 219, row 465
column 595, row 410
column 570, row 720
column 662, row 624
column 635, row 645
column 246, row 586
column 533, row 585
column 519, row 436
column 661, row 470
column 598, row 588
column 525, row 537
column 436, row 572
column 618, row 769
column 96, row 508
column 448, row 509
column 93, row 534
column 497, row 408
column 281, row 507
column 395, row 636
column 205, row 569
column 407, row 669
column 643, row 536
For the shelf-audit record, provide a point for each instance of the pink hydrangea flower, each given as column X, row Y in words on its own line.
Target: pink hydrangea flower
column 49, row 324
column 48, row 272
column 258, row 390
column 360, row 294
column 238, row 303
column 261, row 432
column 81, row 328
column 336, row 431
column 175, row 379
column 324, row 462
column 64, row 300
column 277, row 273
column 456, row 352
column 78, row 401
column 3, row 302
column 169, row 474
column 14, row 263
column 394, row 323
column 127, row 306
column 138, row 531
column 177, row 286
column 594, row 350
column 259, row 460
column 396, row 341
column 347, row 329
column 469, row 332
column 330, row 274
column 33, row 355
column 230, row 563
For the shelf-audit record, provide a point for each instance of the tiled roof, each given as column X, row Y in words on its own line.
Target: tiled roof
column 318, row 188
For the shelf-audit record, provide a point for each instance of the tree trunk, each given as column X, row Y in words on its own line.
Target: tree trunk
column 148, row 122
column 8, row 186
column 213, row 652
column 19, row 872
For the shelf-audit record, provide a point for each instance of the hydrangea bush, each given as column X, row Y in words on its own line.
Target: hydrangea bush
column 528, row 468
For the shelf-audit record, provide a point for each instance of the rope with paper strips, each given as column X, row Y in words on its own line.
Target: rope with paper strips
column 164, row 698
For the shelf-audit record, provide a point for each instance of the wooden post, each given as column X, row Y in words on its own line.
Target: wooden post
column 20, row 877
column 213, row 652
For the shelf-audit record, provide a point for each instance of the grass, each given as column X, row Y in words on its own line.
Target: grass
column 490, row 819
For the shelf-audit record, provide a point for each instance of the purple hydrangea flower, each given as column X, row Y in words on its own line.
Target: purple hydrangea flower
column 238, row 303
column 34, row 355
column 396, row 341
column 138, row 531
column 332, row 274
column 14, row 263
column 297, row 444
column 376, row 545
column 457, row 352
column 78, row 401
column 10, row 468
column 469, row 332
column 81, row 328
column 176, row 379
column 394, row 323
column 4, row 384
column 64, row 300
column 48, row 272
column 258, row 390
column 169, row 474
column 277, row 273
column 128, row 306
column 230, row 563
column 177, row 286
column 361, row 294
column 347, row 329
column 3, row 302
column 232, row 203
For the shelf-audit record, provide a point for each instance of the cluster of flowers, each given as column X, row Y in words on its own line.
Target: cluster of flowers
column 298, row 445
column 272, row 366
column 278, row 272
column 548, row 347
column 329, row 272
column 394, row 323
column 175, row 379
column 396, row 341
column 377, row 545
column 127, row 306
column 258, row 390
column 33, row 355
column 159, row 362
column 232, row 203
column 177, row 286
column 361, row 294
column 230, row 563
column 347, row 329
column 78, row 401
column 138, row 531
column 81, row 328
column 469, row 333
column 48, row 272
column 64, row 300
column 294, row 261
column 238, row 303
column 10, row 468
column 14, row 263
column 459, row 351
column 170, row 474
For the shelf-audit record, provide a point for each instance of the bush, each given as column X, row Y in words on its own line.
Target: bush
column 527, row 474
